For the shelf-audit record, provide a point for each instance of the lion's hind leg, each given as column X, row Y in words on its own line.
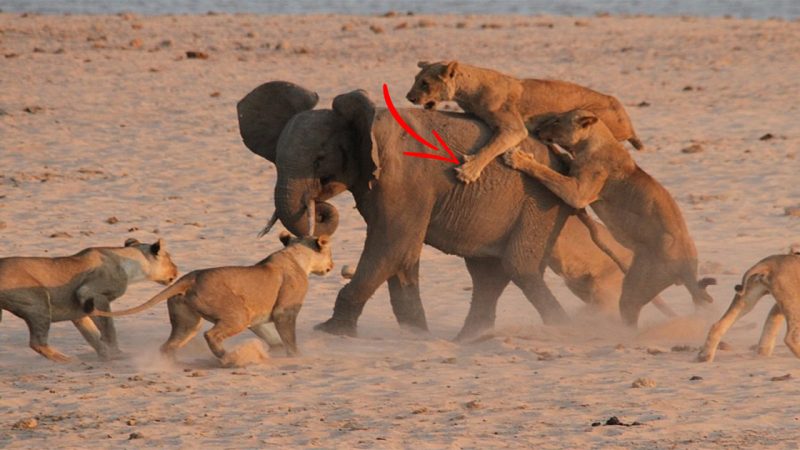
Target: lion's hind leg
column 771, row 327
column 185, row 322
column 787, row 293
column 39, row 328
column 743, row 302
column 89, row 331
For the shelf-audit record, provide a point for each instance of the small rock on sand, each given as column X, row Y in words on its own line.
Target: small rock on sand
column 135, row 435
column 683, row 348
column 348, row 271
column 793, row 211
column 694, row 148
column 191, row 54
column 26, row 424
column 473, row 404
column 643, row 383
column 786, row 377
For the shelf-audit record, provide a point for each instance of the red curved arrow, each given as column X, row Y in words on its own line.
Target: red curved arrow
column 409, row 130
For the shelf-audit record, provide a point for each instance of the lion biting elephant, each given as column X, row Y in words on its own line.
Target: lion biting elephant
column 504, row 228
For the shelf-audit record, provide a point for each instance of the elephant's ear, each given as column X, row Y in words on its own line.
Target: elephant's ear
column 265, row 111
column 359, row 111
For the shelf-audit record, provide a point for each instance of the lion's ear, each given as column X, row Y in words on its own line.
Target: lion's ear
column 131, row 242
column 323, row 241
column 285, row 238
column 423, row 64
column 586, row 121
column 159, row 247
column 450, row 70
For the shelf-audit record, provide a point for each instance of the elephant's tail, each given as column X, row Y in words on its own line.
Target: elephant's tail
column 178, row 288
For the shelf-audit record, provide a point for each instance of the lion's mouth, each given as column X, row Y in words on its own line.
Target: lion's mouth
column 429, row 105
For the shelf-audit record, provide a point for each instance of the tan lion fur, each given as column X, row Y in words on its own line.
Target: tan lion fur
column 638, row 211
column 778, row 275
column 508, row 104
column 236, row 298
column 44, row 290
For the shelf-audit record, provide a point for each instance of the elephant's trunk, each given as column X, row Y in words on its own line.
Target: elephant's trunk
column 300, row 213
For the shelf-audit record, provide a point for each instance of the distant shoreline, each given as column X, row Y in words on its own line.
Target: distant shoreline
column 498, row 15
column 769, row 9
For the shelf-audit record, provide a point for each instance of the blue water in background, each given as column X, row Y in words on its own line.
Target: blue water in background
column 756, row 9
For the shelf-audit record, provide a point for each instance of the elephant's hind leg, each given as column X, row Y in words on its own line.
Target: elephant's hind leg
column 405, row 299
column 488, row 282
column 537, row 292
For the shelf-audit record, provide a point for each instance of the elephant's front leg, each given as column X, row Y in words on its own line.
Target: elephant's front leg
column 387, row 249
column 405, row 299
column 489, row 279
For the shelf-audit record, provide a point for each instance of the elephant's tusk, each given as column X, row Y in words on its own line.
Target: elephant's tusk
column 311, row 210
column 269, row 225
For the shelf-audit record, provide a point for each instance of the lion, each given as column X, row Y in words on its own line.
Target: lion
column 510, row 105
column 236, row 298
column 44, row 290
column 638, row 211
column 592, row 273
column 778, row 275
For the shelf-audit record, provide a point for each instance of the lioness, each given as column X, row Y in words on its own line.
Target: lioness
column 239, row 297
column 637, row 210
column 45, row 290
column 588, row 271
column 778, row 275
column 507, row 104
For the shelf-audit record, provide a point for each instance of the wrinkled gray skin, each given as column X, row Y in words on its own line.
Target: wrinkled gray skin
column 503, row 226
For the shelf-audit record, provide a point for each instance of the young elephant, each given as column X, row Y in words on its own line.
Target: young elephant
column 508, row 104
column 239, row 297
column 778, row 275
column 637, row 210
column 45, row 290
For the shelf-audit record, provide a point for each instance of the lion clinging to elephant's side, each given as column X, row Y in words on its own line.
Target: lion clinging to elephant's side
column 406, row 202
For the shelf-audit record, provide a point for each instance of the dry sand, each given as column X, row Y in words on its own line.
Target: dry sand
column 119, row 123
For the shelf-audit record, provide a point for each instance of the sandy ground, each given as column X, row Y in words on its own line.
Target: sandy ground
column 120, row 124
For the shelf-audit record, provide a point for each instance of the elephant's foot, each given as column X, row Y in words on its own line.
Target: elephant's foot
column 474, row 332
column 412, row 319
column 414, row 328
column 338, row 327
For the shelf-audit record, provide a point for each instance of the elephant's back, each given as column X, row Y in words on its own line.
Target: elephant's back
column 479, row 218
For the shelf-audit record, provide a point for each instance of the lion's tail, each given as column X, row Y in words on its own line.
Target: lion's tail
column 177, row 288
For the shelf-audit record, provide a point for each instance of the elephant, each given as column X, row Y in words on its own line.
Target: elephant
column 503, row 226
